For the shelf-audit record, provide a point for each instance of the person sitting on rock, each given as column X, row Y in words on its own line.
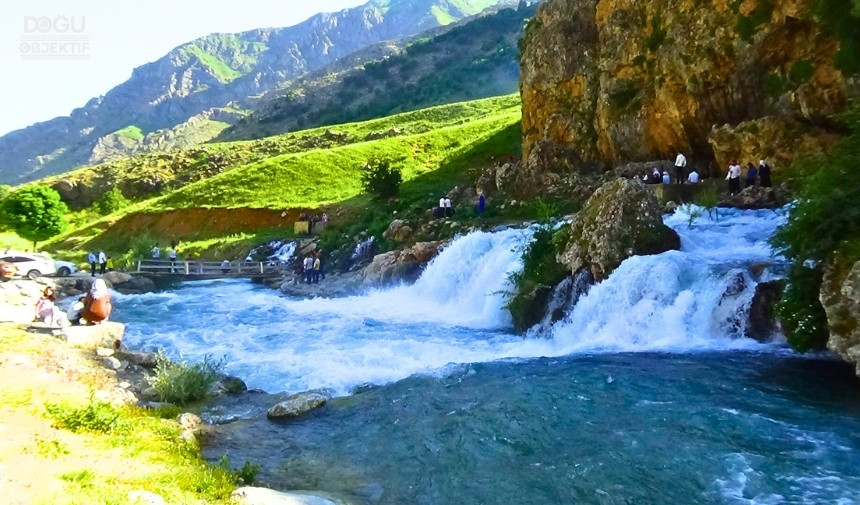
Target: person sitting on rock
column 693, row 178
column 47, row 310
column 97, row 303
column 225, row 267
column 666, row 179
column 75, row 310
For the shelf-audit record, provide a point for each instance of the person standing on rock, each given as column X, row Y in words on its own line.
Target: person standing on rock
column 680, row 165
column 171, row 255
column 307, row 270
column 764, row 174
column 317, row 265
column 752, row 175
column 92, row 259
column 734, row 178
column 449, row 211
column 482, row 201
column 102, row 262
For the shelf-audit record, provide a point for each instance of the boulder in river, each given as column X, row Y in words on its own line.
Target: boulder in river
column 262, row 496
column 105, row 334
column 621, row 219
column 762, row 324
column 297, row 405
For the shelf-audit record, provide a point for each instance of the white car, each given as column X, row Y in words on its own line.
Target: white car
column 65, row 268
column 29, row 264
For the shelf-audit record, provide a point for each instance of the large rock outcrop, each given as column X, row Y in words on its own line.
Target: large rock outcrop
column 606, row 82
column 623, row 218
column 840, row 296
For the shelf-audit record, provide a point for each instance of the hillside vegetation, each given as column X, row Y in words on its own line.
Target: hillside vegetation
column 154, row 174
column 257, row 188
column 475, row 60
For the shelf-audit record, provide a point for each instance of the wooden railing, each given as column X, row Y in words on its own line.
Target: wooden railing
column 208, row 268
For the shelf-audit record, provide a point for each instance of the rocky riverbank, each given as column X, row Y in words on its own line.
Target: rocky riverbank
column 87, row 365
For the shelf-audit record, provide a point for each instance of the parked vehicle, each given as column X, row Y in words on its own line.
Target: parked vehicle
column 65, row 268
column 29, row 264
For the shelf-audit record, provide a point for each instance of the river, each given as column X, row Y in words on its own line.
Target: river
column 645, row 392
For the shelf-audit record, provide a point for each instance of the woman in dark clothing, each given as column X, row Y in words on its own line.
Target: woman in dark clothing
column 764, row 174
column 752, row 173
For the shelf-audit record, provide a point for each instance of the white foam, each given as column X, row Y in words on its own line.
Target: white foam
column 455, row 312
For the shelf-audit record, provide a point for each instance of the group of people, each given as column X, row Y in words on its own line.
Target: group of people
column 99, row 261
column 93, row 308
column 312, row 220
column 760, row 175
column 171, row 254
column 654, row 176
column 445, row 209
column 312, row 268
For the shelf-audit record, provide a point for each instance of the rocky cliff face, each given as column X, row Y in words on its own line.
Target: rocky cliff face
column 840, row 296
column 211, row 72
column 611, row 81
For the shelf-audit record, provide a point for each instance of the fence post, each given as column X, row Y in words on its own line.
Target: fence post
column 261, row 267
column 239, row 267
column 186, row 268
column 138, row 266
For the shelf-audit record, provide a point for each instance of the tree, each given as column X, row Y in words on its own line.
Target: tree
column 380, row 178
column 35, row 213
column 111, row 202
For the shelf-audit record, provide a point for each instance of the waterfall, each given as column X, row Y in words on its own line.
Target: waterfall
column 679, row 301
column 276, row 251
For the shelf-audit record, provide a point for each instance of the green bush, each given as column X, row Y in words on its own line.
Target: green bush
column 35, row 213
column 825, row 220
column 658, row 34
column 801, row 71
column 800, row 312
column 96, row 416
column 540, row 274
column 181, row 382
column 244, row 475
column 379, row 178
column 111, row 202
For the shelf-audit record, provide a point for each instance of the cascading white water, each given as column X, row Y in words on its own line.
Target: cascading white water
column 275, row 251
column 676, row 301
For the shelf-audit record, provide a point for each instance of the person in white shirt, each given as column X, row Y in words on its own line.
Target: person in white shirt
column 448, row 211
column 680, row 164
column 156, row 252
column 171, row 255
column 102, row 262
column 694, row 177
column 442, row 203
column 734, row 178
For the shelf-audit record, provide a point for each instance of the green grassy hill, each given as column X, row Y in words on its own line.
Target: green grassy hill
column 154, row 174
column 238, row 193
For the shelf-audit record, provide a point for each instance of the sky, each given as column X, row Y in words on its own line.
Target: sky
column 115, row 37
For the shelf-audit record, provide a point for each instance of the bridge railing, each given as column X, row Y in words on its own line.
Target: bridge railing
column 211, row 268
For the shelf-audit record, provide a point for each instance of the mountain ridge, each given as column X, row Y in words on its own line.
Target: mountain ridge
column 214, row 71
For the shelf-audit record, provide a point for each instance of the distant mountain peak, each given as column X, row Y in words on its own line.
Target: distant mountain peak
column 209, row 73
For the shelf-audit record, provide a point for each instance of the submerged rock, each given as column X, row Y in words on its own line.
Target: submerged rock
column 755, row 198
column 261, row 496
column 762, row 324
column 296, row 405
column 840, row 296
column 623, row 218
